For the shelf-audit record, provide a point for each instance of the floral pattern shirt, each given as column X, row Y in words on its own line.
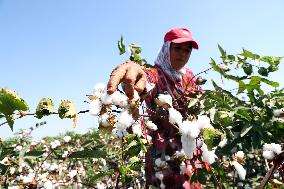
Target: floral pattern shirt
column 166, row 140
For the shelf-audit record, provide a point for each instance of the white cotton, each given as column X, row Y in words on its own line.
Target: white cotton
column 136, row 129
column 48, row 185
column 159, row 175
column 189, row 128
column 175, row 117
column 72, row 173
column 160, row 163
column 125, row 119
column 223, row 143
column 95, row 107
column 267, row 154
column 165, row 99
column 277, row 113
column 182, row 167
column 119, row 99
column 136, row 96
column 188, row 145
column 67, row 138
column 103, row 120
column 99, row 89
column 19, row 148
column 150, row 125
column 120, row 130
column 208, row 156
column 240, row 154
column 240, row 170
column 276, row 148
column 106, row 99
column 101, row 186
column 65, row 154
column 203, row 122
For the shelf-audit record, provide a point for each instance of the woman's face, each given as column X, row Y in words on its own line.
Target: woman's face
column 179, row 54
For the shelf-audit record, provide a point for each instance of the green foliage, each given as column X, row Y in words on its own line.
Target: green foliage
column 44, row 107
column 212, row 137
column 9, row 103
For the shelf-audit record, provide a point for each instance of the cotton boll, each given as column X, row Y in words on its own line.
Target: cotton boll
column 150, row 125
column 223, row 143
column 193, row 128
column 67, row 138
column 203, row 122
column 99, row 89
column 276, row 148
column 163, row 99
column 106, row 99
column 240, row 170
column 103, row 120
column 136, row 96
column 277, row 113
column 268, row 154
column 208, row 156
column 240, row 154
column 175, row 117
column 136, row 129
column 95, row 107
column 188, row 145
column 119, row 99
column 125, row 119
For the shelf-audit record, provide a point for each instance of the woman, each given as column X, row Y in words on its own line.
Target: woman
column 169, row 75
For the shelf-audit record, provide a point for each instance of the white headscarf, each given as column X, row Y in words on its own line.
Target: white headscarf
column 163, row 61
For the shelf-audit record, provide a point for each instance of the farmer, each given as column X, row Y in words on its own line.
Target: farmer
column 170, row 76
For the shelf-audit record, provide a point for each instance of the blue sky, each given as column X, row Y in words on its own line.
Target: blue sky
column 61, row 49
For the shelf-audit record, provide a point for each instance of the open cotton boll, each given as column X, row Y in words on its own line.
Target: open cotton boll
column 267, row 154
column 240, row 170
column 277, row 113
column 95, row 107
column 103, row 120
column 152, row 126
column 207, row 155
column 136, row 129
column 165, row 99
column 106, row 99
column 276, row 148
column 125, row 119
column 190, row 128
column 175, row 117
column 119, row 99
column 240, row 154
column 203, row 122
column 99, row 89
column 188, row 145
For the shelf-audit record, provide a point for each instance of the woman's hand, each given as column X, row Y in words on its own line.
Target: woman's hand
column 131, row 75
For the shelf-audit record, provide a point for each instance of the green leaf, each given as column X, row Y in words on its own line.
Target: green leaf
column 245, row 130
column 248, row 54
column 263, row 71
column 242, row 87
column 223, row 53
column 33, row 154
column 243, row 113
column 272, row 83
column 67, row 109
column 247, row 69
column 89, row 153
column 102, row 174
column 44, row 107
column 9, row 103
column 121, row 46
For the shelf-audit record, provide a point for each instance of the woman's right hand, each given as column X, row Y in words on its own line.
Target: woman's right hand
column 131, row 75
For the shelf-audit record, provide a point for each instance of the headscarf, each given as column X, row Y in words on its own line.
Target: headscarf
column 163, row 61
